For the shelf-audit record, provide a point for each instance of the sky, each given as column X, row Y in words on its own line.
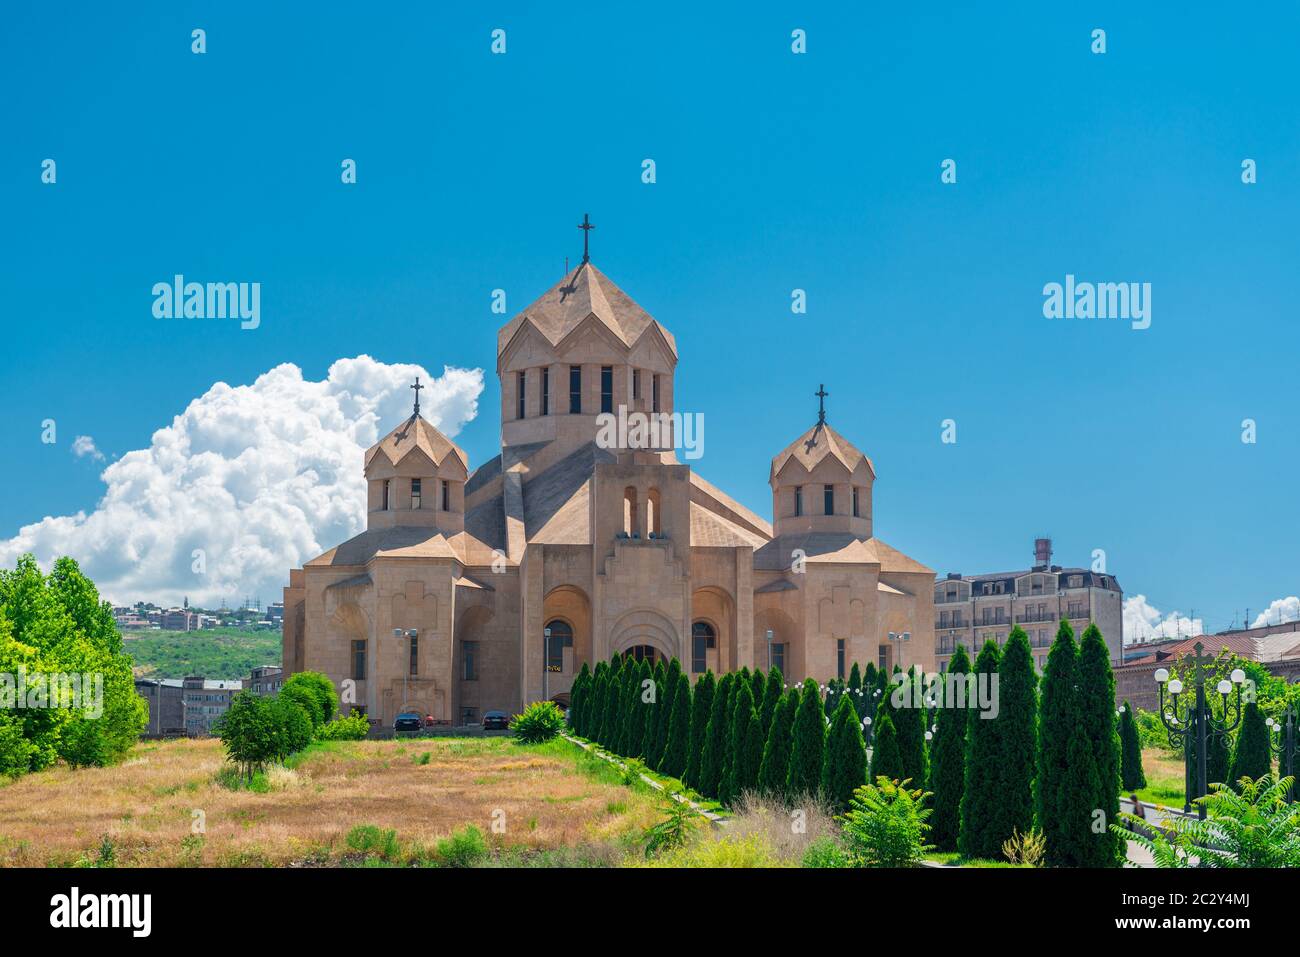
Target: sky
column 774, row 171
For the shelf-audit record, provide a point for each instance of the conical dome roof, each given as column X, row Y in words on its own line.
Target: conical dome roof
column 815, row 445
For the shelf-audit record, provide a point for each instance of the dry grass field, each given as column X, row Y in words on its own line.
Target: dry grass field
column 547, row 798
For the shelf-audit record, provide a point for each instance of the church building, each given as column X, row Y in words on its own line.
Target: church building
column 481, row 589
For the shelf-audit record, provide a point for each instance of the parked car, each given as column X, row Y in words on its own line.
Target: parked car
column 496, row 721
column 408, row 721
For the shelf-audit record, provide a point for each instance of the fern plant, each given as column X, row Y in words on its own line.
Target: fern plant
column 1252, row 826
column 540, row 721
column 885, row 825
column 674, row 830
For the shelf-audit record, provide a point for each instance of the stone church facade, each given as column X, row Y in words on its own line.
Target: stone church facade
column 485, row 589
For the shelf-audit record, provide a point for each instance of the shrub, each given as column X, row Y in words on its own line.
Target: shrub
column 886, row 825
column 674, row 830
column 1026, row 849
column 373, row 841
column 701, row 707
column 774, row 769
column 464, row 848
column 540, row 721
column 1253, row 757
column 354, row 727
column 844, row 769
column 674, row 758
column 886, row 761
column 826, row 852
column 293, row 727
column 315, row 693
column 750, row 850
column 248, row 732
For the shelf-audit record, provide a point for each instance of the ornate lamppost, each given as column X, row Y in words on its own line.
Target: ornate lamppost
column 1284, row 744
column 1195, row 726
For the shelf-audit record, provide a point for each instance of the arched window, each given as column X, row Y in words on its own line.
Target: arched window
column 629, row 512
column 652, row 513
column 703, row 638
column 559, row 635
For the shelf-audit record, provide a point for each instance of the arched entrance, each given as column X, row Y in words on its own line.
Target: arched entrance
column 646, row 653
column 645, row 629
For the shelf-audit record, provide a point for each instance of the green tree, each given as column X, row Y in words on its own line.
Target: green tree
column 948, row 760
column 910, row 723
column 980, row 834
column 716, row 739
column 735, row 770
column 701, row 708
column 809, row 742
column 774, row 770
column 596, row 706
column 1058, row 804
column 1095, row 688
column 610, row 704
column 663, row 712
column 1132, row 776
column 1017, row 733
column 293, row 727
column 886, row 759
column 315, row 694
column 1253, row 757
column 758, row 686
column 844, row 767
column 772, row 692
column 673, row 762
column 249, row 732
column 576, row 695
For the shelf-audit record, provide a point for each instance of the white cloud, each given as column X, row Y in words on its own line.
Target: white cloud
column 1279, row 612
column 1143, row 621
column 84, row 445
column 261, row 477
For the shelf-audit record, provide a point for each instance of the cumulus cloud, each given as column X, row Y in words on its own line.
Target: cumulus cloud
column 84, row 445
column 259, row 477
column 1144, row 622
column 1279, row 612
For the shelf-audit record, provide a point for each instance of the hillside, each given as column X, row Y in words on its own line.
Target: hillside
column 224, row 653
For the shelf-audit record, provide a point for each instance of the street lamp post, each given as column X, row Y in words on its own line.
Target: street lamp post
column 1196, row 725
column 770, row 636
column 546, row 664
column 1284, row 746
column 399, row 634
column 899, row 638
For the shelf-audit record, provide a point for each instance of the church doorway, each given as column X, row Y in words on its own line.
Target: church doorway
column 646, row 653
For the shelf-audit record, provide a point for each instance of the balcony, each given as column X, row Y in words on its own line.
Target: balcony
column 942, row 625
column 1081, row 614
column 1030, row 617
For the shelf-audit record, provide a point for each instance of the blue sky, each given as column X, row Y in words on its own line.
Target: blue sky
column 775, row 171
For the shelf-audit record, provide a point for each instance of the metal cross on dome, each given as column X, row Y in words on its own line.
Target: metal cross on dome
column 417, row 387
column 821, row 394
column 586, row 226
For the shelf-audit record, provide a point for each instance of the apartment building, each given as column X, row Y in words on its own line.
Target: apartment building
column 205, row 700
column 970, row 609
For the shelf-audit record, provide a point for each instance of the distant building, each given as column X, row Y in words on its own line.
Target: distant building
column 1276, row 647
column 970, row 609
column 205, row 700
column 178, row 619
column 265, row 680
column 166, row 707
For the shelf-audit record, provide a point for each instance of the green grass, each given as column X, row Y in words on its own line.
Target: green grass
column 953, row 859
column 1165, row 780
column 218, row 653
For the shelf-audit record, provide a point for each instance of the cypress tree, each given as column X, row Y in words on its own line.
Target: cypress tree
column 612, row 722
column 715, row 739
column 1096, row 690
column 1131, row 774
column 1077, row 816
column 1253, row 757
column 627, row 712
column 886, row 759
column 772, row 691
column 1058, row 723
column 980, row 836
column 948, row 761
column 746, row 775
column 774, row 769
column 758, row 685
column 1017, row 733
column 844, row 766
column 663, row 713
column 855, row 679
column 575, row 698
column 834, row 690
column 701, row 708
column 809, row 742
column 634, row 732
column 673, row 762
column 734, row 767
column 591, row 710
column 596, row 718
column 909, row 721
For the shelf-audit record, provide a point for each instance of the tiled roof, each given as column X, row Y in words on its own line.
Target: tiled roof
column 708, row 529
column 584, row 292
column 416, row 433
column 399, row 542
column 816, row 444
